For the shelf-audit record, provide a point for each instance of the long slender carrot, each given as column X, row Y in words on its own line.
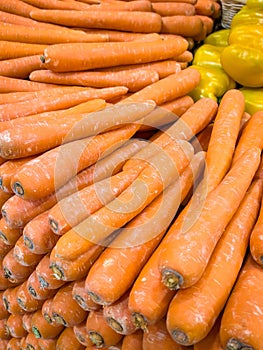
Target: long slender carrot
column 23, row 255
column 136, row 243
column 119, row 20
column 187, row 329
column 241, row 322
column 115, row 35
column 72, row 314
column 16, row 7
column 82, row 335
column 177, row 275
column 38, row 236
column 136, row 5
column 36, row 288
column 187, row 26
column 38, row 105
column 45, row 274
column 11, row 50
column 20, row 67
column 81, row 296
column 13, row 344
column 51, row 131
column 100, row 333
column 8, row 84
column 10, row 301
column 4, row 313
column 68, row 341
column 174, row 8
column 212, row 340
column 14, row 325
column 56, row 4
column 134, row 80
column 113, row 53
column 42, row 329
column 251, row 135
column 255, row 243
column 133, row 341
column 26, row 300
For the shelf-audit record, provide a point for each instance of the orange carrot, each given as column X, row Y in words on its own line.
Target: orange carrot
column 251, row 135
column 133, row 341
column 55, row 4
column 201, row 141
column 16, row 7
column 173, row 8
column 36, row 289
column 47, row 344
column 4, row 281
column 134, row 80
column 38, row 236
column 4, row 196
column 100, row 333
column 8, row 84
column 187, row 1
column 208, row 23
column 187, row 26
column 4, row 249
column 113, row 53
column 255, row 244
column 10, row 301
column 47, row 312
column 72, row 314
column 136, row 5
column 45, row 274
column 81, row 334
column 3, row 343
column 26, row 320
column 12, row 50
column 26, row 300
column 4, row 333
column 212, row 340
column 118, row 20
column 177, row 275
column 82, row 297
column 186, row 56
column 20, row 67
column 14, row 325
column 240, row 329
column 42, row 329
column 23, row 255
column 204, row 7
column 3, row 311
column 31, row 342
column 187, row 329
column 68, row 341
column 13, row 344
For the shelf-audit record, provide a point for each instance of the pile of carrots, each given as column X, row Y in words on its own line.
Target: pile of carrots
column 131, row 215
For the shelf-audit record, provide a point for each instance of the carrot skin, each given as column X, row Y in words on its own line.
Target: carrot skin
column 81, row 296
column 14, row 325
column 133, row 341
column 68, row 341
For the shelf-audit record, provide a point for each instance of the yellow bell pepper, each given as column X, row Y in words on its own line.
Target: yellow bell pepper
column 218, row 38
column 253, row 100
column 247, row 16
column 251, row 34
column 208, row 55
column 256, row 4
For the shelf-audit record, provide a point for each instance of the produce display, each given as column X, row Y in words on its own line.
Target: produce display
column 131, row 175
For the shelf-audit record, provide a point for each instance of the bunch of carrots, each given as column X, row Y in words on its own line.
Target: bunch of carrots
column 131, row 215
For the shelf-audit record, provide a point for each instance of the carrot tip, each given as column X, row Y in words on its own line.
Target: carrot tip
column 114, row 324
column 43, row 282
column 21, row 304
column 42, row 58
column 47, row 318
column 59, row 319
column 28, row 243
column 3, row 238
column 172, row 279
column 36, row 332
column 234, row 344
column 32, row 291
column 6, row 303
column 139, row 321
column 96, row 339
column 18, row 189
column 260, row 258
column 81, row 302
column 95, row 297
column 30, row 347
column 58, row 272
column 180, row 337
column 7, row 273
column 53, row 225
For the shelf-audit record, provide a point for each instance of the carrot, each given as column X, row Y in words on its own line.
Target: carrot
column 186, row 56
column 16, row 7
column 4, row 196
column 157, row 337
column 201, row 141
column 20, row 67
column 113, row 53
column 187, row 26
column 72, row 314
column 4, row 333
column 36, row 289
column 115, row 35
column 42, row 329
column 175, row 1
column 20, row 33
column 208, row 23
column 136, row 5
column 169, row 88
column 133, row 341
column 118, row 20
column 134, row 245
column 23, row 343
column 255, row 239
column 51, row 131
column 4, row 281
column 173, row 8
column 97, row 227
column 238, row 331
column 8, row 84
column 13, row 344
column 14, row 325
column 26, row 300
column 3, row 311
column 4, row 249
column 47, row 344
column 10, row 301
column 45, row 274
column 177, row 275
column 3, row 343
column 251, row 136
column 81, row 334
column 259, row 173
column 187, row 328
column 212, row 340
column 23, row 255
column 12, row 50
column 224, row 134
column 31, row 342
column 38, row 105
column 68, row 341
column 46, row 310
column 204, row 7
column 134, row 80
column 100, row 333
column 14, row 271
column 26, row 321
column 82, row 297
column 7, row 170
column 55, row 4
column 119, row 317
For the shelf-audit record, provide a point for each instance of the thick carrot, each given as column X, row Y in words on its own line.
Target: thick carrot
column 53, row 103
column 133, row 341
column 4, row 197
column 241, row 322
column 13, row 344
column 133, row 247
column 224, row 134
column 118, row 20
column 14, row 271
column 204, row 7
column 136, row 5
column 14, row 325
column 187, row 26
column 169, row 88
column 5, row 282
column 45, row 274
column 212, row 340
column 12, row 50
column 23, row 255
column 251, row 135
column 46, row 310
column 4, row 313
column 116, row 35
column 157, row 338
column 233, row 187
column 26, row 300
column 119, row 317
column 255, row 242
column 42, row 329
column 100, row 333
column 7, row 170
column 26, row 320
column 134, row 80
column 47, row 344
column 68, row 341
column 113, row 53
column 183, row 322
column 208, row 23
column 82, row 335
column 81, row 296
column 4, row 333
column 51, row 130
column 38, row 236
column 8, row 84
column 36, row 289
column 70, row 315
column 16, row 7
column 163, row 169
column 4, row 249
column 201, row 140
column 21, row 34
column 10, row 301
column 186, row 56
column 20, row 67
column 31, row 342
column 173, row 8
column 56, row 4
